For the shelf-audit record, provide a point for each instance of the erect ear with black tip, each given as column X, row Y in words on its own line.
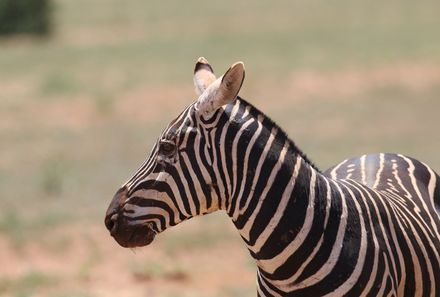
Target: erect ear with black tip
column 222, row 91
column 203, row 75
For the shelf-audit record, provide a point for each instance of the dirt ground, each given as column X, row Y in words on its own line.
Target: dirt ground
column 79, row 260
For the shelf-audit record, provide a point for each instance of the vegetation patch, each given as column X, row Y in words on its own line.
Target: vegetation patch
column 25, row 16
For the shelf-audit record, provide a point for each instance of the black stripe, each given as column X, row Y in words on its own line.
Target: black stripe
column 437, row 195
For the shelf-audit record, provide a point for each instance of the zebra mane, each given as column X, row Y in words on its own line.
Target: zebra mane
column 297, row 150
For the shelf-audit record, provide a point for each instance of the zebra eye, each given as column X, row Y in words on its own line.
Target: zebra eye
column 167, row 148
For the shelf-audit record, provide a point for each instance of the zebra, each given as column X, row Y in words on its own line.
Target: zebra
column 368, row 226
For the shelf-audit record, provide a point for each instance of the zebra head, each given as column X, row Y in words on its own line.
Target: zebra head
column 177, row 181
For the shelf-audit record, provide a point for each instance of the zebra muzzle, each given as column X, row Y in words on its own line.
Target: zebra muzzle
column 126, row 232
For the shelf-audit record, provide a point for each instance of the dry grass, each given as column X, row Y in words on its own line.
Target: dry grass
column 79, row 112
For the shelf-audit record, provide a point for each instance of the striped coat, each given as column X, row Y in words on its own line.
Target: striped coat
column 366, row 227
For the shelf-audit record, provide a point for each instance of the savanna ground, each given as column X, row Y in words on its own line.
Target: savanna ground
column 79, row 112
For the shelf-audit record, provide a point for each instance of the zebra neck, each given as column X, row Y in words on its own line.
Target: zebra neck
column 268, row 184
column 272, row 209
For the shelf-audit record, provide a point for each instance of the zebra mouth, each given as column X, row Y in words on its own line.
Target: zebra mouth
column 130, row 235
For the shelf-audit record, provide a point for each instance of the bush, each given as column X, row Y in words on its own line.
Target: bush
column 24, row 16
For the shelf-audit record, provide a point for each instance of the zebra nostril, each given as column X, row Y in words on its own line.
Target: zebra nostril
column 111, row 222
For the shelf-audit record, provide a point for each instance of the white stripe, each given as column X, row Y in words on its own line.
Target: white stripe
column 333, row 173
column 379, row 171
column 432, row 183
column 363, row 172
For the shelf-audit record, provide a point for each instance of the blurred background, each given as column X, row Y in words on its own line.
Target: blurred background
column 87, row 86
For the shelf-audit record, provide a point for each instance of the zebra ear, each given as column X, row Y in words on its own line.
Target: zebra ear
column 203, row 75
column 222, row 91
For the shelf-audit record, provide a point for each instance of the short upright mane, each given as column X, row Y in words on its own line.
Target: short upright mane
column 296, row 149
